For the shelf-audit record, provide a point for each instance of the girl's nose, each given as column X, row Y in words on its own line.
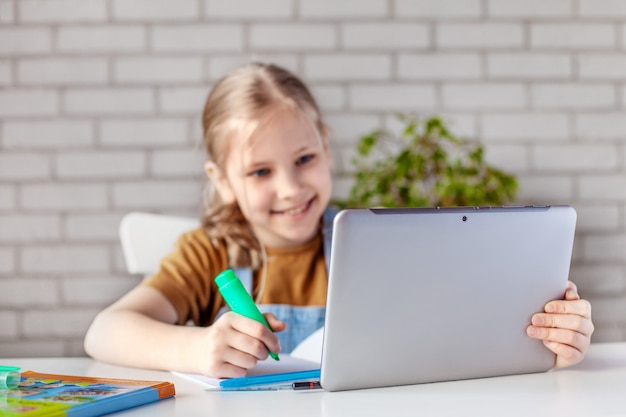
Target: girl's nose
column 287, row 185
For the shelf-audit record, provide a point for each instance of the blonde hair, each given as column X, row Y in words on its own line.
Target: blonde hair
column 244, row 95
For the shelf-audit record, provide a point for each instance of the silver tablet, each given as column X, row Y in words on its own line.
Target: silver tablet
column 426, row 295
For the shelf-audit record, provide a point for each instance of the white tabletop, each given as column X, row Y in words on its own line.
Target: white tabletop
column 596, row 387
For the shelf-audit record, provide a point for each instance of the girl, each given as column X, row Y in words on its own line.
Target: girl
column 269, row 165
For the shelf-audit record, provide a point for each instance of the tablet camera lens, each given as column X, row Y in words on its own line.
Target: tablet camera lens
column 464, row 218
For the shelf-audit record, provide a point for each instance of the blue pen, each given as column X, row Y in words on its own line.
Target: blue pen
column 272, row 387
column 250, row 381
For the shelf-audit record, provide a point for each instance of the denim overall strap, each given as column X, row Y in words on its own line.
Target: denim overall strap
column 327, row 232
column 245, row 276
column 301, row 321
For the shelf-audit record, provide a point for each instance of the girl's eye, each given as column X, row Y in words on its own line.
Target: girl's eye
column 260, row 172
column 304, row 159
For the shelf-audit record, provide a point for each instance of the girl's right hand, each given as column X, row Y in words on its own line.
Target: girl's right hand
column 234, row 344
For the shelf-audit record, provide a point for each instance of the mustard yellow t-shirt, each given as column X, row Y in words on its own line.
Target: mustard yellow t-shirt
column 295, row 276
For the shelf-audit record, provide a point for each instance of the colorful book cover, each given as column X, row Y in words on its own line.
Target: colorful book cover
column 52, row 395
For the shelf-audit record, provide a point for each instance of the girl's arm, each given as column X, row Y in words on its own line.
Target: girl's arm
column 139, row 330
column 565, row 327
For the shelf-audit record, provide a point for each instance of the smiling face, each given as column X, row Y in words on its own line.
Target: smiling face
column 280, row 177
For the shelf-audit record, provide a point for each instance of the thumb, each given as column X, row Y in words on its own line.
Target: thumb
column 571, row 292
column 275, row 324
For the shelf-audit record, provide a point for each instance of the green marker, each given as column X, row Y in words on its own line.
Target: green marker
column 10, row 377
column 239, row 300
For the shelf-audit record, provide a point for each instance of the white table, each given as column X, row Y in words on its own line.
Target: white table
column 596, row 387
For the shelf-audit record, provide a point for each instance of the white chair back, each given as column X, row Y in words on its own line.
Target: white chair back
column 146, row 238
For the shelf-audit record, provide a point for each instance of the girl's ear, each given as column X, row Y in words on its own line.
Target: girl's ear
column 220, row 181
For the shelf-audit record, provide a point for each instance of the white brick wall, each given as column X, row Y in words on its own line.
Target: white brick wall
column 7, row 260
column 330, row 98
column 526, row 126
column 92, row 227
column 574, row 96
column 197, row 38
column 57, row 323
column 614, row 9
column 529, row 65
column 6, row 75
column 346, row 127
column 151, row 195
column 63, row 196
column 598, row 217
column 100, row 164
column 604, row 280
column 90, row 39
column 55, row 11
column 605, row 248
column 101, row 100
column 64, row 259
column 288, row 37
column 327, row 67
column 15, row 103
column 603, row 188
column 610, row 125
column 479, row 35
column 177, row 163
column 147, row 70
column 558, row 189
column 15, row 40
column 155, row 10
column 513, row 158
column 572, row 36
column 19, row 166
column 345, row 9
column 217, row 66
column 6, row 11
column 440, row 66
column 87, row 291
column 8, row 325
column 108, row 101
column 130, row 132
column 182, row 100
column 35, row 293
column 46, row 134
column 7, row 197
column 370, row 36
column 503, row 96
column 438, row 9
column 520, row 9
column 29, row 228
column 392, row 97
column 41, row 71
column 575, row 158
column 602, row 66
column 249, row 9
column 24, row 348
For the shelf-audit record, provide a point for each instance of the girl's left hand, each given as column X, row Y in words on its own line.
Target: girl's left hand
column 565, row 327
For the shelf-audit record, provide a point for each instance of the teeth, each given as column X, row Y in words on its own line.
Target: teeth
column 296, row 210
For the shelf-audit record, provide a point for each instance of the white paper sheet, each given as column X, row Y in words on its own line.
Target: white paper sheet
column 287, row 363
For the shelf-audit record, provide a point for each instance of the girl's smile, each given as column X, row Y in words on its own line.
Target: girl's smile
column 296, row 210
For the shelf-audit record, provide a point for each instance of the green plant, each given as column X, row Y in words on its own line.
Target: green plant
column 432, row 167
